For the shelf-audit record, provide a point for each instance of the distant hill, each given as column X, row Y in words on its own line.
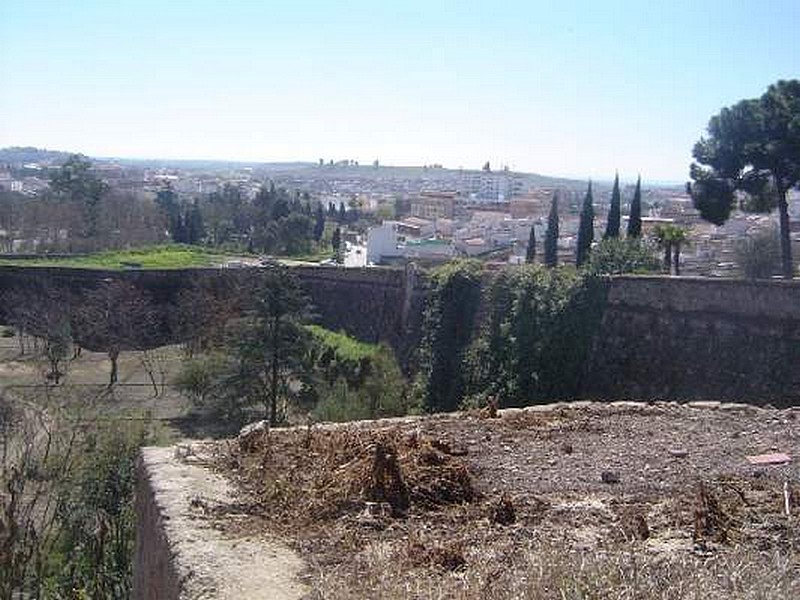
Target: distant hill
column 20, row 155
column 28, row 154
column 192, row 164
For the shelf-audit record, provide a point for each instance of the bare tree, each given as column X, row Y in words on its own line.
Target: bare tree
column 203, row 312
column 43, row 315
column 117, row 316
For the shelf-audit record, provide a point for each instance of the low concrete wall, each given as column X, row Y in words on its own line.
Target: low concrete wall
column 183, row 554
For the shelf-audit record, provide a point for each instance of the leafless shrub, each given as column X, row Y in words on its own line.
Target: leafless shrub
column 37, row 450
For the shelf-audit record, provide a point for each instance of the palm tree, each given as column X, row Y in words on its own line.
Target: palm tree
column 670, row 237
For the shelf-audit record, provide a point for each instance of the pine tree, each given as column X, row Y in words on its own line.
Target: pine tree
column 635, row 220
column 586, row 228
column 530, row 254
column 551, row 237
column 612, row 226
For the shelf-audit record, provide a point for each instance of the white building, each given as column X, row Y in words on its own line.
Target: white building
column 384, row 242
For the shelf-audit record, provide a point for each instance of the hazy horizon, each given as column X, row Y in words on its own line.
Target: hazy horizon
column 579, row 90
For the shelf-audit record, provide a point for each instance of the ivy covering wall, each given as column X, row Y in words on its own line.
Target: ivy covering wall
column 522, row 335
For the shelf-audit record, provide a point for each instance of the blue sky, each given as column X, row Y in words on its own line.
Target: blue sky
column 566, row 88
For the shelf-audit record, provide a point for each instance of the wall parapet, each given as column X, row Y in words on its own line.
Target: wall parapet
column 181, row 551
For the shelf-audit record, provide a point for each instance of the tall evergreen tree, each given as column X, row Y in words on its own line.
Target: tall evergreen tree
column 167, row 200
column 319, row 223
column 270, row 347
column 614, row 213
column 585, row 228
column 195, row 230
column 336, row 243
column 530, row 254
column 551, row 237
column 635, row 220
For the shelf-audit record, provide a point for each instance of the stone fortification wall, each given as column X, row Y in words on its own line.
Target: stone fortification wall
column 373, row 304
column 661, row 337
column 690, row 338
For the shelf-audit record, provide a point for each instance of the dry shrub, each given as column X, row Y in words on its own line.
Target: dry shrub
column 340, row 470
column 710, row 522
column 386, row 480
column 502, row 512
column 490, row 410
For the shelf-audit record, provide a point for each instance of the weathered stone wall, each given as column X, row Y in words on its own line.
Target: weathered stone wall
column 691, row 338
column 373, row 304
column 661, row 337
column 182, row 550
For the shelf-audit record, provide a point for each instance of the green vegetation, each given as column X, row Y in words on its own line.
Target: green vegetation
column 532, row 344
column 162, row 256
column 68, row 517
column 752, row 149
column 266, row 354
column 535, row 342
column 671, row 238
column 350, row 380
column 448, row 325
column 343, row 346
column 586, row 228
column 614, row 211
column 551, row 235
column 615, row 256
column 635, row 218
column 530, row 253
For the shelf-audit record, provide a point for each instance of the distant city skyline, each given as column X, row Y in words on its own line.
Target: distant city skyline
column 578, row 90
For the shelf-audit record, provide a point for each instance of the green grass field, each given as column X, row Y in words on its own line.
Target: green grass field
column 171, row 256
column 346, row 347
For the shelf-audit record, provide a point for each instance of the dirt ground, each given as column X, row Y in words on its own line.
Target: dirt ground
column 583, row 500
column 86, row 383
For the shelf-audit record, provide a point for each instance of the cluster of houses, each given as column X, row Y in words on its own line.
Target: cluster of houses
column 443, row 225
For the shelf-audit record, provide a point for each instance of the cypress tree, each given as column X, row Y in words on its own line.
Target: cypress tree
column 319, row 222
column 586, row 228
column 551, row 237
column 635, row 220
column 612, row 226
column 194, row 229
column 530, row 254
column 336, row 243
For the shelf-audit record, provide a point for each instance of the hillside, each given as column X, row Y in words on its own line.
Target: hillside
column 19, row 155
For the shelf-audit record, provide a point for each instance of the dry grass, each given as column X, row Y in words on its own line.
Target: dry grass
column 541, row 569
